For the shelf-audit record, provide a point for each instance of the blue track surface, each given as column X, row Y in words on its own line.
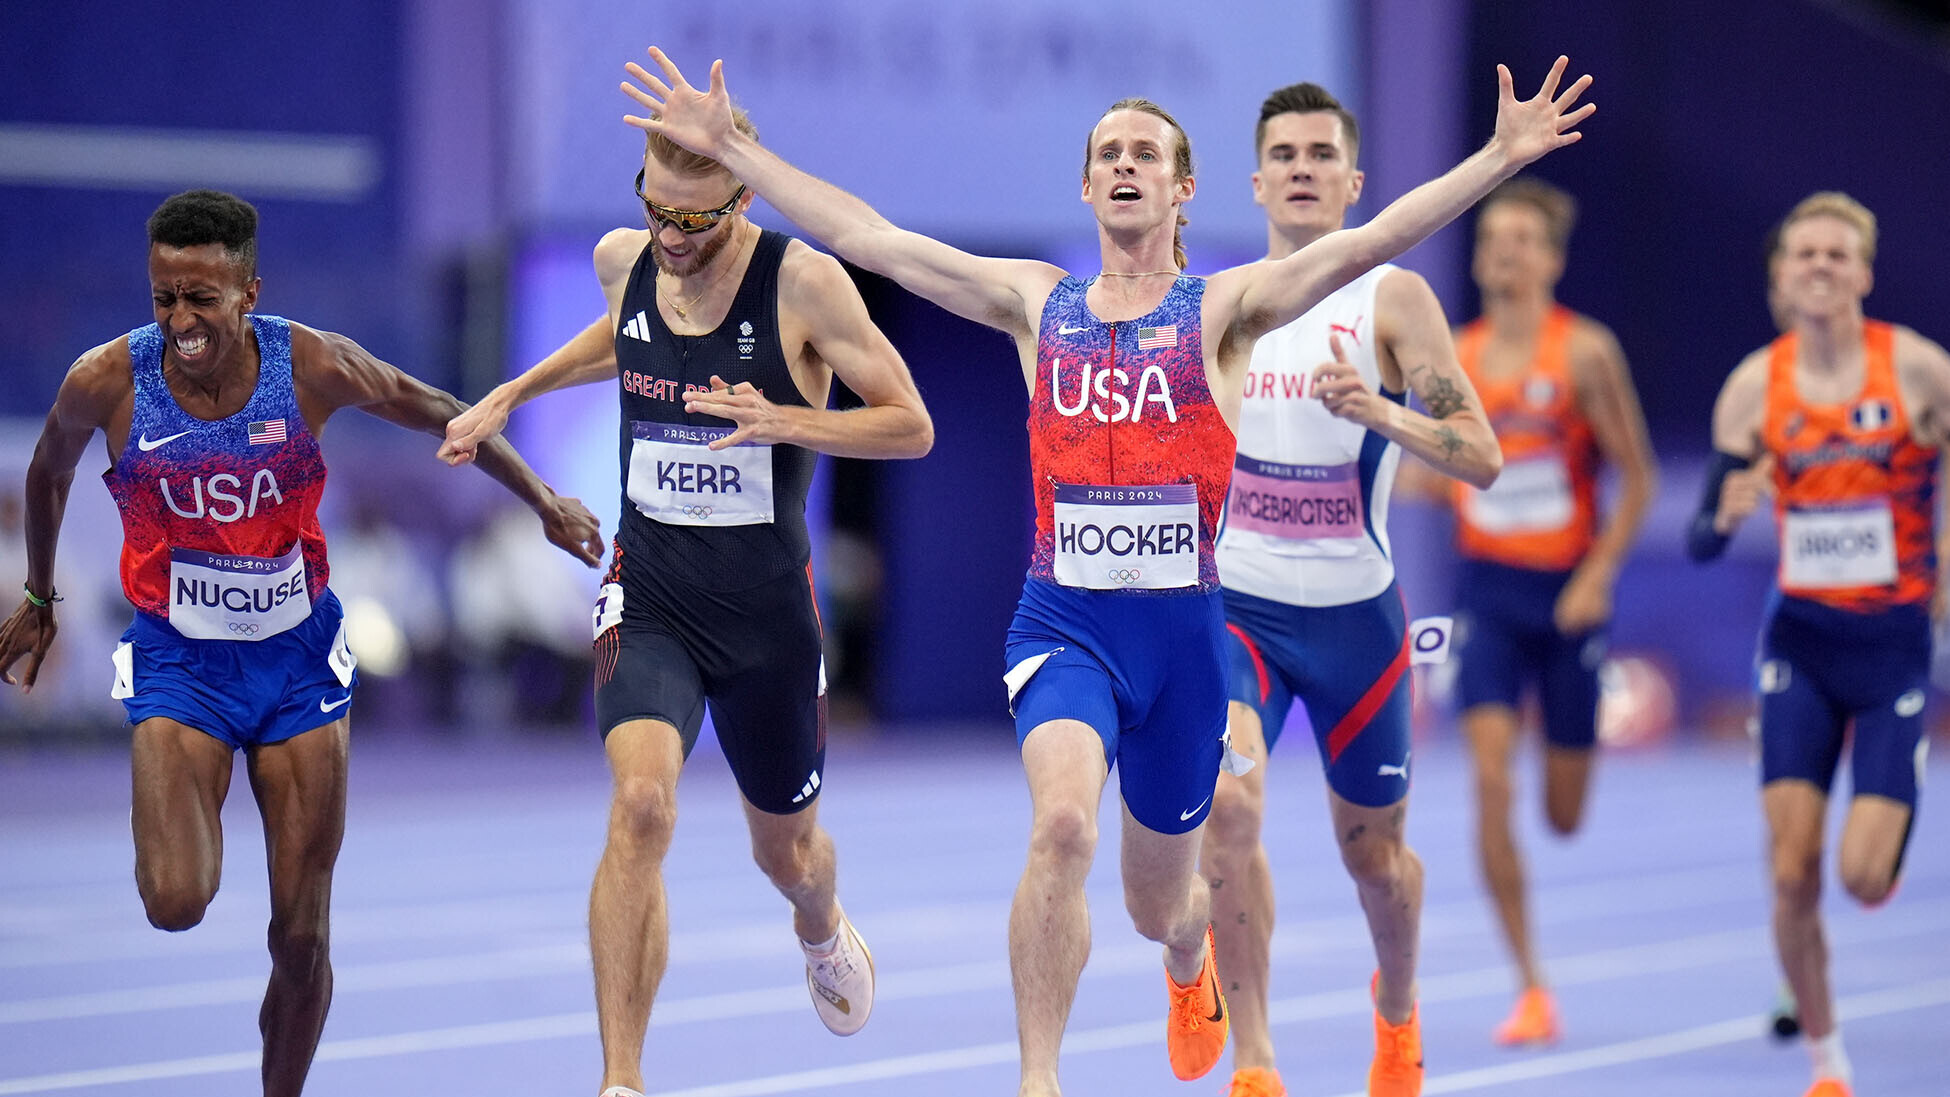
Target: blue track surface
column 462, row 966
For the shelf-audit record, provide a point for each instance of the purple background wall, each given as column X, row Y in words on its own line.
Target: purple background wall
column 1713, row 122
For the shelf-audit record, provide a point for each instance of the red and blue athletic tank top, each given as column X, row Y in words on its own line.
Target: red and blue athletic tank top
column 1542, row 511
column 1129, row 455
column 1854, row 493
column 209, row 497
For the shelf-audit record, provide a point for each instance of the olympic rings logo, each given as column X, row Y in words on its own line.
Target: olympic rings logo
column 696, row 510
column 243, row 628
column 1124, row 575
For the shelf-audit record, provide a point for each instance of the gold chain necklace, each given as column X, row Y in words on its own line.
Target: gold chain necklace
column 683, row 310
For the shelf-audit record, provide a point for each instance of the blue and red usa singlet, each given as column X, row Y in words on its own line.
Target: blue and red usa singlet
column 1129, row 456
column 220, row 517
column 1854, row 493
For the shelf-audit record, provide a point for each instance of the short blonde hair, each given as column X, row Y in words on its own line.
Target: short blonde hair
column 1832, row 203
column 682, row 161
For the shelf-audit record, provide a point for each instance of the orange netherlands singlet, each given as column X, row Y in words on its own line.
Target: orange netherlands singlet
column 1542, row 512
column 1854, row 493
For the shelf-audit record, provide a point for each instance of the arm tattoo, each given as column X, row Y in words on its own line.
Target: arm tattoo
column 1443, row 398
column 1452, row 442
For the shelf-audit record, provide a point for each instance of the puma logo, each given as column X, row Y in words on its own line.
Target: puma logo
column 1353, row 333
column 1401, row 771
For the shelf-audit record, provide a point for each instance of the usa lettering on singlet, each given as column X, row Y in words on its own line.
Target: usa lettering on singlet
column 726, row 518
column 220, row 517
column 1129, row 454
column 1854, row 492
column 1307, row 514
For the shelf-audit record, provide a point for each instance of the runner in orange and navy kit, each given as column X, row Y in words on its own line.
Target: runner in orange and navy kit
column 1116, row 653
column 212, row 417
column 1843, row 421
column 1535, row 590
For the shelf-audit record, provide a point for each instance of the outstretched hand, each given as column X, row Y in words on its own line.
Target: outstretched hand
column 28, row 632
column 698, row 120
column 1530, row 128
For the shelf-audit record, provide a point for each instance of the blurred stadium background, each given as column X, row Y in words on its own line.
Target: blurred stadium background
column 432, row 175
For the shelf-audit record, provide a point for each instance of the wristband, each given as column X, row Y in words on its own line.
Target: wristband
column 52, row 597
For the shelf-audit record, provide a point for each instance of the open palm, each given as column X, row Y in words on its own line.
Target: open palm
column 1531, row 127
column 697, row 120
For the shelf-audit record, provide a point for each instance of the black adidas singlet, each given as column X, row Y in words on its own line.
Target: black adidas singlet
column 693, row 514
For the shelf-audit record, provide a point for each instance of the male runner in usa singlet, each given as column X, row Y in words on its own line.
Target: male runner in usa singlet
column 1116, row 654
column 1539, row 559
column 1843, row 421
column 723, row 340
column 211, row 417
column 1312, row 609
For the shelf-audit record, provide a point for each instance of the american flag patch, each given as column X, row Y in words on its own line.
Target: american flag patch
column 267, row 432
column 1154, row 338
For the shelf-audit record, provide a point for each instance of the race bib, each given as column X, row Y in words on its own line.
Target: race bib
column 217, row 597
column 1852, row 546
column 675, row 478
column 1296, row 503
column 1126, row 537
column 1532, row 495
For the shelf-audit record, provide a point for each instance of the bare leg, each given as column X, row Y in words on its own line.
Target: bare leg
column 1567, row 779
column 180, row 778
column 1492, row 734
column 796, row 854
column 1049, row 923
column 1872, row 846
column 1169, row 902
column 1388, row 876
column 300, row 788
column 1795, row 809
column 1234, row 861
column 629, row 927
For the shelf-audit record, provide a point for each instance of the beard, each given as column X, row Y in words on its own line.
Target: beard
column 698, row 259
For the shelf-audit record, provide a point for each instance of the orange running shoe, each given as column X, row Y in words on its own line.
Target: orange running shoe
column 1533, row 1021
column 1195, row 1030
column 1256, row 1082
column 1830, row 1087
column 1397, row 1069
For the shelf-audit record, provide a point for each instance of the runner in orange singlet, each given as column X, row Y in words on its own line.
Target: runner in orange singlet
column 1539, row 561
column 1842, row 420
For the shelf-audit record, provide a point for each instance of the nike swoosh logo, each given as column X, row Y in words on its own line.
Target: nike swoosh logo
column 1068, row 330
column 1194, row 811
column 327, row 706
column 145, row 445
column 1219, row 1007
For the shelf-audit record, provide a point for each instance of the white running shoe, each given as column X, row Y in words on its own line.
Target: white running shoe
column 622, row 1091
column 841, row 981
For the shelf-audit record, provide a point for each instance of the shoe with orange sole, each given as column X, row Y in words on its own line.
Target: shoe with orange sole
column 1830, row 1087
column 1532, row 1021
column 1256, row 1082
column 1195, row 1030
column 1397, row 1068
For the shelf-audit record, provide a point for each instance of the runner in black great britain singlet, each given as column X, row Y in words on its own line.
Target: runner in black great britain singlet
column 723, row 340
column 709, row 594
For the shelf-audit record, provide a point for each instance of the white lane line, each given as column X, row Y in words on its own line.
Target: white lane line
column 1291, row 940
column 1685, row 953
column 1855, row 1007
column 323, row 167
